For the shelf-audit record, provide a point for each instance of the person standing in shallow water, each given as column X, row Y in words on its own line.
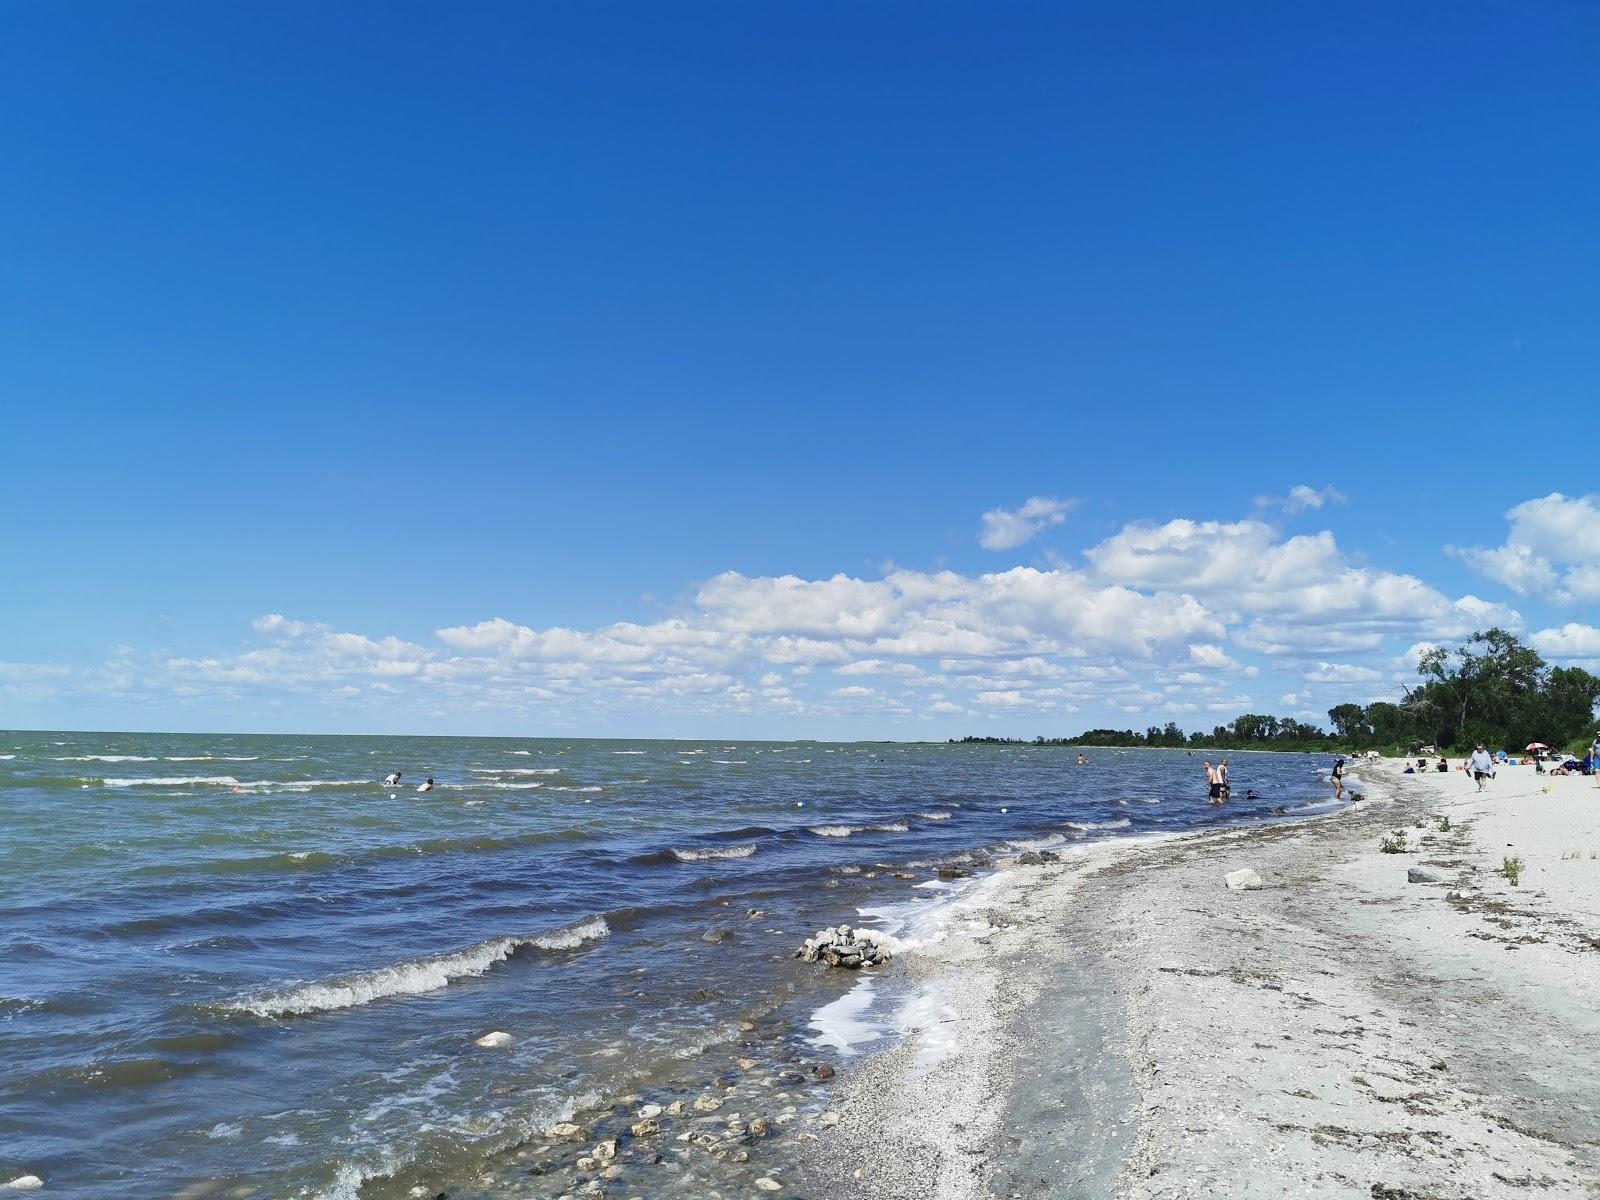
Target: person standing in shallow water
column 1338, row 779
column 1214, row 783
column 1222, row 778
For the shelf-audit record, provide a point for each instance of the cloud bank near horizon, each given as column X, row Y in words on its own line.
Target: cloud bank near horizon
column 1186, row 620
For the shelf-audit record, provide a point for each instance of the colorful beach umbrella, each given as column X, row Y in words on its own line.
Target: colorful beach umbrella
column 1537, row 746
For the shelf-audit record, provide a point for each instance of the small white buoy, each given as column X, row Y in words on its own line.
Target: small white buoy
column 1005, row 810
column 493, row 1041
column 391, row 795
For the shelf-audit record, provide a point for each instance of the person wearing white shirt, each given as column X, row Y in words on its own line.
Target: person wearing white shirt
column 1481, row 765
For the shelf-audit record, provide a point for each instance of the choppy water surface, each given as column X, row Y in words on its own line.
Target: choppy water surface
column 233, row 962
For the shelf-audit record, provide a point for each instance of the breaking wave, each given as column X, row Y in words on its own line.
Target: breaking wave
column 414, row 978
column 723, row 852
column 843, row 831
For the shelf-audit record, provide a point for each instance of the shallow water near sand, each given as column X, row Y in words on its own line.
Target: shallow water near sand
column 242, row 962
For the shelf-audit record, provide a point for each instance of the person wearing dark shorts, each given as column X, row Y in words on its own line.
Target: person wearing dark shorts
column 1214, row 783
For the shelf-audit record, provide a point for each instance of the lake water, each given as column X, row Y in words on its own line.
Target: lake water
column 243, row 965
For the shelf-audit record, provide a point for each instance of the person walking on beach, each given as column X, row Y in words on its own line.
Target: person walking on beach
column 1213, row 783
column 1481, row 765
column 1338, row 779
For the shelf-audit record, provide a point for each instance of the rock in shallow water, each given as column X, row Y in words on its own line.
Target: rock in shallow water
column 492, row 1041
column 23, row 1183
column 846, row 947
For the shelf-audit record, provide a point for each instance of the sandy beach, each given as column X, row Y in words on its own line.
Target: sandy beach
column 1123, row 1024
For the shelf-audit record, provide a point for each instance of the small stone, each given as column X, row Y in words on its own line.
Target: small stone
column 675, row 1109
column 745, row 1064
column 611, row 1172
column 493, row 1041
column 823, row 1071
column 828, row 1118
column 1423, row 875
column 759, row 1127
column 768, row 1184
column 606, row 1149
column 645, row 1128
column 1243, row 880
column 419, row 1190
column 649, row 1111
column 587, row 1163
column 564, row 1131
column 708, row 1104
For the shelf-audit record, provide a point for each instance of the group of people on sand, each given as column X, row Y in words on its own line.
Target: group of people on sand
column 393, row 780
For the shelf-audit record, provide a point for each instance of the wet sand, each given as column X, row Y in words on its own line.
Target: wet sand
column 1132, row 1028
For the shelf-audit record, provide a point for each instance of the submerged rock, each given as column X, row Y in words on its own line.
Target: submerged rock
column 1243, row 880
column 565, row 1131
column 492, row 1041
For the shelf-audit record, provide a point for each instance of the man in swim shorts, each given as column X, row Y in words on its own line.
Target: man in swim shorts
column 1214, row 783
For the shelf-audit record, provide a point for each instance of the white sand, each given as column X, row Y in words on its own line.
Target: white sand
column 1133, row 1029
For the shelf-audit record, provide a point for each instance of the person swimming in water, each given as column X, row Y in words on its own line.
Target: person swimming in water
column 392, row 779
column 426, row 787
column 1082, row 761
column 1250, row 794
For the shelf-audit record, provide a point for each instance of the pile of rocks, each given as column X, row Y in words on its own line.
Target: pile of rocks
column 846, row 947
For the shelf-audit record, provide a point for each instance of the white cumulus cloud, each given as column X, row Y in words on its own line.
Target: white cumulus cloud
column 1005, row 529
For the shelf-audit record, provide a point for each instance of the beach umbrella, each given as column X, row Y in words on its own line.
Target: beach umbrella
column 1537, row 746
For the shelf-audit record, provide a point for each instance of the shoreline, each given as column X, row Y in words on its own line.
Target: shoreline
column 1131, row 1027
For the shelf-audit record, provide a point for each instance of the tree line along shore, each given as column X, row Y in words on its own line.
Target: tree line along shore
column 1491, row 689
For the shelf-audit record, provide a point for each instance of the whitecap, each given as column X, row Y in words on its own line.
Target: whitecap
column 105, row 758
column 172, row 781
column 850, row 830
column 701, row 855
column 512, row 787
column 1085, row 826
column 730, row 762
column 208, row 758
column 413, row 978
column 575, row 789
column 934, row 816
column 515, row 770
column 627, row 752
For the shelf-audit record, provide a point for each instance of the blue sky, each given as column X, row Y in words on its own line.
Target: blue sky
column 599, row 319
